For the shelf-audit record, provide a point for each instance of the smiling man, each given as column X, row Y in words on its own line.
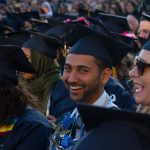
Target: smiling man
column 88, row 68
column 88, row 65
column 84, row 78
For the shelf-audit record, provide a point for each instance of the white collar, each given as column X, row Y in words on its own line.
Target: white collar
column 104, row 100
column 101, row 100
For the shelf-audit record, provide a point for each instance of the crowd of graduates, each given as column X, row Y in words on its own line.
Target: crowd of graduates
column 74, row 75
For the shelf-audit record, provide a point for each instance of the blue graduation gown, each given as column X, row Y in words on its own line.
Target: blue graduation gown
column 123, row 98
column 60, row 100
column 31, row 132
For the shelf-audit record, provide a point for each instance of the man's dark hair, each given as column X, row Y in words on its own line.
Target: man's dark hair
column 101, row 64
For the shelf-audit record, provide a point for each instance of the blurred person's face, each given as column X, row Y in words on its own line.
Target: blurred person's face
column 133, row 23
column 129, row 8
column 123, row 7
column 141, row 78
column 27, row 25
column 144, row 29
column 107, row 7
column 112, row 11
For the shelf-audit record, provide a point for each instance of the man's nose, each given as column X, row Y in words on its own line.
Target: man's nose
column 73, row 77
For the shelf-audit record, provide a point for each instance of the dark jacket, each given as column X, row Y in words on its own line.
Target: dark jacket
column 124, row 99
column 31, row 132
column 60, row 100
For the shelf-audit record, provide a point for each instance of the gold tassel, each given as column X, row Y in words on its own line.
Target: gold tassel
column 114, row 72
column 65, row 50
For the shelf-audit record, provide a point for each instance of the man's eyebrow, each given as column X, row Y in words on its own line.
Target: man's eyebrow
column 66, row 64
column 83, row 66
column 78, row 66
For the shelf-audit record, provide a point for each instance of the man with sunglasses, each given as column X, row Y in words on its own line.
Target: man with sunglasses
column 141, row 76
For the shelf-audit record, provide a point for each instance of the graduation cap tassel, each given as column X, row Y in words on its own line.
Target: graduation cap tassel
column 89, row 12
column 65, row 50
column 114, row 72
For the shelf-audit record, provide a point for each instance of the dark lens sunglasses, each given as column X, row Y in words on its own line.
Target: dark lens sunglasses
column 141, row 66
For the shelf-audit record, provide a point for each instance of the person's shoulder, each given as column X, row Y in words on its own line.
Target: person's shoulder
column 34, row 117
column 60, row 84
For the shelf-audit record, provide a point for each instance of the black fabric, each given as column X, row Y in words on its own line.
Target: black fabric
column 43, row 43
column 114, row 23
column 116, row 135
column 18, row 36
column 12, row 59
column 94, row 116
column 32, row 132
column 40, row 26
column 146, row 16
column 89, row 42
column 113, row 129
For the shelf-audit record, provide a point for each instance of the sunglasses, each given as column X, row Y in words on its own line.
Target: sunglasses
column 141, row 66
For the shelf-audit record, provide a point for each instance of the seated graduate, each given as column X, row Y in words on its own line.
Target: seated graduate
column 118, row 86
column 140, row 76
column 22, row 126
column 86, row 71
column 46, row 84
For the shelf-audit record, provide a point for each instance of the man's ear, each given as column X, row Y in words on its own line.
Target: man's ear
column 105, row 75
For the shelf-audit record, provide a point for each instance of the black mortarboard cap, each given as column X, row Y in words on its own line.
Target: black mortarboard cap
column 99, row 26
column 17, row 20
column 13, row 59
column 89, row 42
column 4, row 26
column 27, row 16
column 43, row 43
column 40, row 26
column 14, row 21
column 116, row 135
column 53, row 22
column 128, row 40
column 63, row 17
column 97, row 116
column 114, row 129
column 19, row 36
column 9, row 41
column 61, row 31
column 146, row 16
column 114, row 23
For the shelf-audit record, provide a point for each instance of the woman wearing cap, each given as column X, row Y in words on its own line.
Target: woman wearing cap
column 46, row 83
column 22, row 126
column 140, row 75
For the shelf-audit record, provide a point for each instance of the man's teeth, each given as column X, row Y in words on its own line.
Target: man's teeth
column 138, row 88
column 75, row 87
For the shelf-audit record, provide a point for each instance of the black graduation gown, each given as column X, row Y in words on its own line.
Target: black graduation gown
column 31, row 132
column 116, row 135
